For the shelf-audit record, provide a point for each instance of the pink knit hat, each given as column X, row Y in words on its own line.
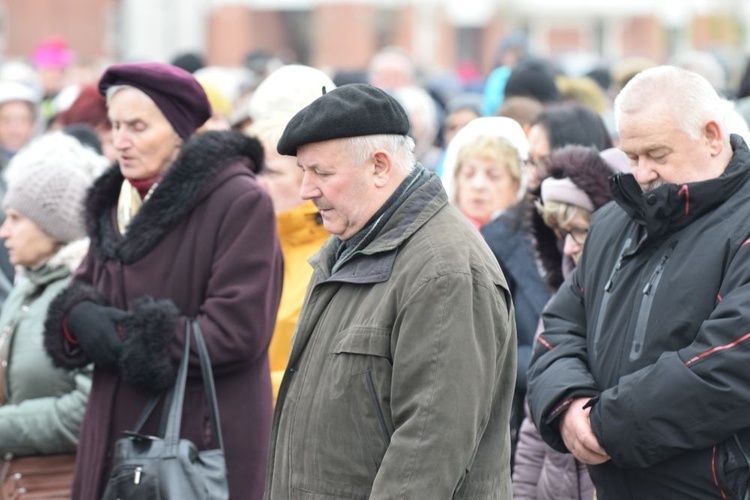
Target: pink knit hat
column 53, row 53
column 565, row 191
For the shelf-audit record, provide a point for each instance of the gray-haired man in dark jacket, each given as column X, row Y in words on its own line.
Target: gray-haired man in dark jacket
column 641, row 371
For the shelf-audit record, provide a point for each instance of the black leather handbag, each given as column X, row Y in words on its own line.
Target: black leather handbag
column 154, row 467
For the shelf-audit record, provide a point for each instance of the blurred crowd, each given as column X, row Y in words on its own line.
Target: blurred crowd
column 525, row 154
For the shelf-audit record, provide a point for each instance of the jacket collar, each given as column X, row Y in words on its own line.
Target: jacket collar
column 203, row 164
column 671, row 207
column 374, row 263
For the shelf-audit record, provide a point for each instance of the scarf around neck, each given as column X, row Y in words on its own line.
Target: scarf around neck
column 133, row 194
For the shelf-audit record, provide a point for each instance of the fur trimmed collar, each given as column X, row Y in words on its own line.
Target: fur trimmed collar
column 192, row 177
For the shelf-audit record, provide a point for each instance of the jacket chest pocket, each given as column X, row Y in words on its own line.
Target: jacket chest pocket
column 362, row 358
column 362, row 347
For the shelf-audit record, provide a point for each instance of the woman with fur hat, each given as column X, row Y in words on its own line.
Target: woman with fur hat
column 180, row 230
column 42, row 406
column 575, row 186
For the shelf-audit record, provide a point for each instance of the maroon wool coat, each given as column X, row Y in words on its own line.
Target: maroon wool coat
column 205, row 241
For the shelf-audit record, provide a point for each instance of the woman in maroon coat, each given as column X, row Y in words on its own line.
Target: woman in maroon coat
column 179, row 229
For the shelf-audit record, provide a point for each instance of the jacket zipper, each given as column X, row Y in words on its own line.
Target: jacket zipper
column 649, row 291
column 607, row 295
column 376, row 406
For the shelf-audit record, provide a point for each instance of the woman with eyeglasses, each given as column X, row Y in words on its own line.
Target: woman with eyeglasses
column 574, row 185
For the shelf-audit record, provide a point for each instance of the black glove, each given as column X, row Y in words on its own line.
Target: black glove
column 95, row 329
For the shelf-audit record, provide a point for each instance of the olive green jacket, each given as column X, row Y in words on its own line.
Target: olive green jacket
column 402, row 368
column 45, row 405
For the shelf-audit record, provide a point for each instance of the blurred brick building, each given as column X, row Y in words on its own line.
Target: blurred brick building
column 440, row 34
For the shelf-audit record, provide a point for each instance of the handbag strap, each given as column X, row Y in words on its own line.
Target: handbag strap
column 174, row 418
column 147, row 411
column 208, row 382
column 174, row 415
column 167, row 395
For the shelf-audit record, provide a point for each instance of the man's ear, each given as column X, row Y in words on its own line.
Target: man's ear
column 383, row 167
column 714, row 137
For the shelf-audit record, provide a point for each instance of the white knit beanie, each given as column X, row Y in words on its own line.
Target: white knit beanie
column 491, row 126
column 48, row 181
column 287, row 90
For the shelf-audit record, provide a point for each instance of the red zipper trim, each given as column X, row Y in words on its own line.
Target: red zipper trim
column 717, row 349
column 544, row 343
column 713, row 472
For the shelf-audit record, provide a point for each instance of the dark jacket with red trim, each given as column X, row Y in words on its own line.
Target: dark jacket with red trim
column 654, row 324
column 202, row 246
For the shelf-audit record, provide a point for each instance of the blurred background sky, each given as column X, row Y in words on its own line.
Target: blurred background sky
column 439, row 34
column 461, row 39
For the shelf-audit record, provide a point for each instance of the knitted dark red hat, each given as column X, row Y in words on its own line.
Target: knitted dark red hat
column 89, row 107
column 175, row 92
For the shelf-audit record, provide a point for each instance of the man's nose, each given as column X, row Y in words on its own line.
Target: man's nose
column 644, row 174
column 308, row 189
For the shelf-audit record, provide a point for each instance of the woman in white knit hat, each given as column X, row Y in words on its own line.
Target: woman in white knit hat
column 42, row 406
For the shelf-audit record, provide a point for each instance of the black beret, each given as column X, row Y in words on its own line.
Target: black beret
column 175, row 92
column 347, row 111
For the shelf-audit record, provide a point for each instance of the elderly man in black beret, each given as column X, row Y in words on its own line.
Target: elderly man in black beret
column 401, row 374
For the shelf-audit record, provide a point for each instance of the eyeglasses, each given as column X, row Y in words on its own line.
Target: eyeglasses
column 577, row 233
column 537, row 164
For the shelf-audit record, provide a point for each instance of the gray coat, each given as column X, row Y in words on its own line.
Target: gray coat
column 543, row 473
column 401, row 375
column 45, row 404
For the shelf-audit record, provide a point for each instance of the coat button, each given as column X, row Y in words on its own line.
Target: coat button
column 651, row 199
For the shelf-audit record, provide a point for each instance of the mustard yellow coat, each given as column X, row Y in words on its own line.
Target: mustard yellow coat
column 301, row 236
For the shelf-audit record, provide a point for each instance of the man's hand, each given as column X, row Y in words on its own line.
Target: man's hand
column 576, row 432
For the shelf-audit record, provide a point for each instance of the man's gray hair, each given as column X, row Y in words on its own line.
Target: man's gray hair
column 400, row 147
column 689, row 97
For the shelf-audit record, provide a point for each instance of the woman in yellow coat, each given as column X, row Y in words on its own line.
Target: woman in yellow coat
column 300, row 229
column 301, row 234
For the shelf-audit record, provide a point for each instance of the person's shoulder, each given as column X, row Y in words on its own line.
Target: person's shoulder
column 448, row 244
column 507, row 230
column 236, row 184
column 220, row 145
column 610, row 217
